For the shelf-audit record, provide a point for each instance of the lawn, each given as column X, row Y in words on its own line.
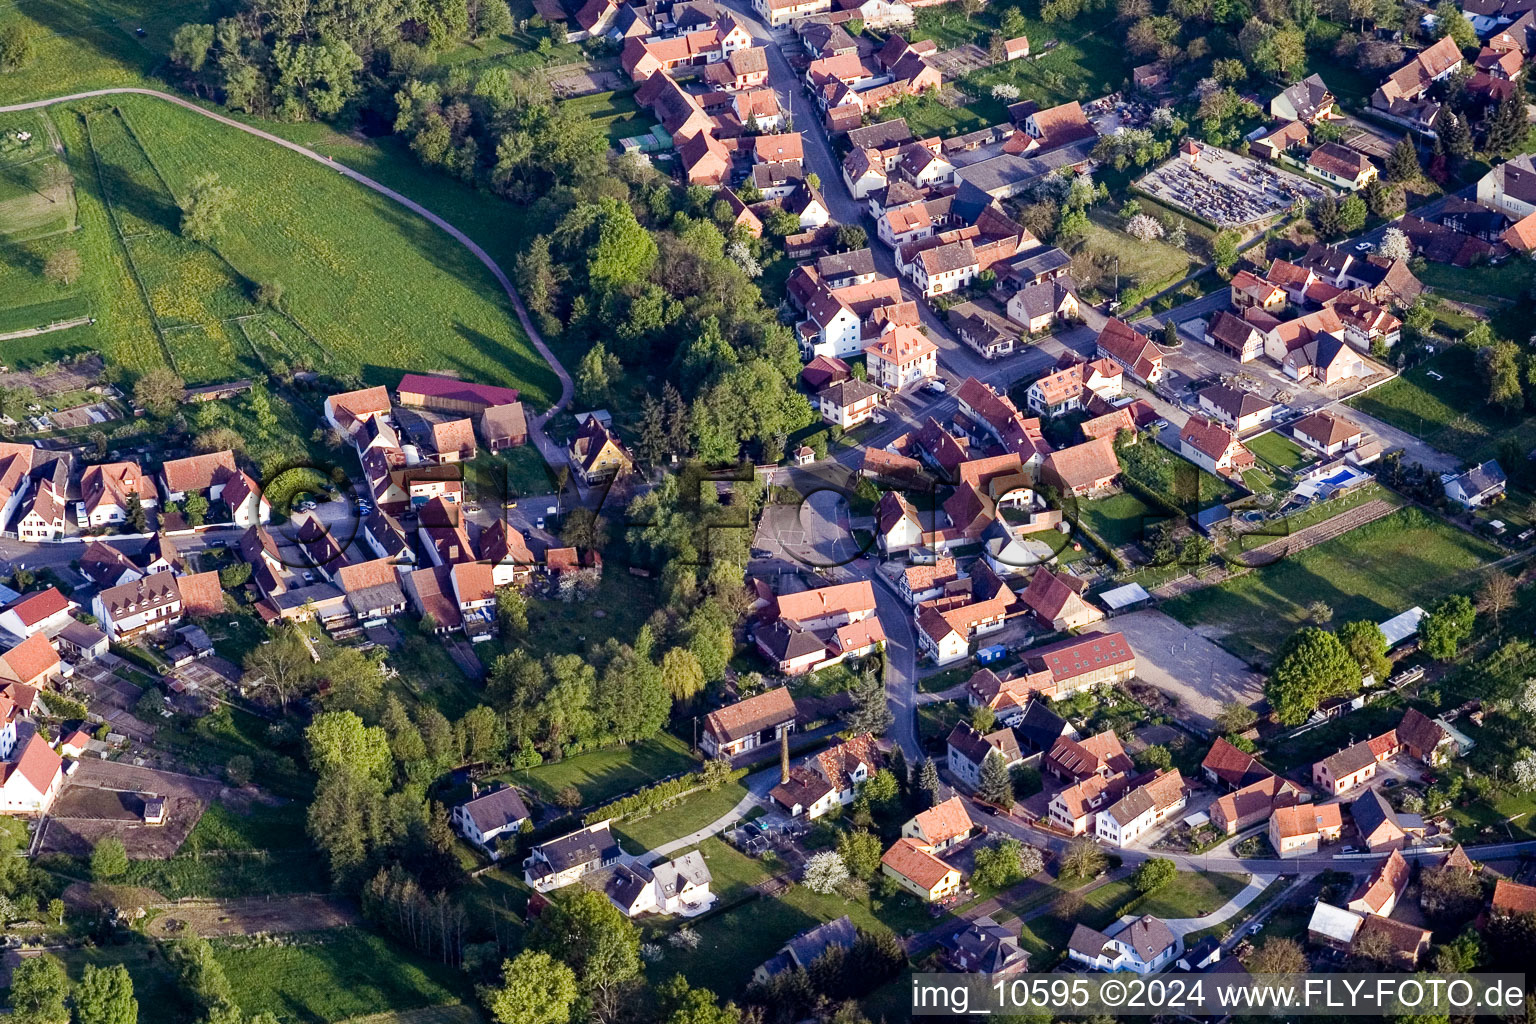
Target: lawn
column 734, row 941
column 86, row 44
column 334, row 975
column 620, row 605
column 1176, row 479
column 616, row 112
column 1192, row 894
column 154, row 985
column 1372, row 573
column 1277, row 451
column 492, row 477
column 604, row 774
column 1269, row 895
column 1145, row 268
column 1047, row 935
column 686, row 816
column 1119, row 518
column 1452, row 413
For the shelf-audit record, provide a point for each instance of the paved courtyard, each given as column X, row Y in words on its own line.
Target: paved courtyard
column 1187, row 666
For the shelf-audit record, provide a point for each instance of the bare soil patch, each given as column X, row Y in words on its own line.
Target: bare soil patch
column 278, row 915
column 105, row 798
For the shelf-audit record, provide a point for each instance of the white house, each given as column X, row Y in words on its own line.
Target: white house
column 1145, row 946
column 562, row 861
column 678, row 886
column 489, row 815
column 148, row 605
column 247, row 505
column 45, row 611
column 1477, row 487
column 829, row 779
column 32, row 780
column 1128, row 819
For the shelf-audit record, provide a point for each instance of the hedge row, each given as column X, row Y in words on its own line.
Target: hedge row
column 653, row 798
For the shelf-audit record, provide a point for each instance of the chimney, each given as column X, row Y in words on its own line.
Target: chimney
column 784, row 756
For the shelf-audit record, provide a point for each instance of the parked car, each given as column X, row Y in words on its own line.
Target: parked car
column 935, row 387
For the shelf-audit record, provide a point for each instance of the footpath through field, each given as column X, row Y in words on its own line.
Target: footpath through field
column 551, row 452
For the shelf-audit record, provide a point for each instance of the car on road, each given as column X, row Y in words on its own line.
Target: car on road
column 472, row 507
column 539, row 522
column 935, row 387
column 305, row 506
column 1365, row 247
column 309, row 577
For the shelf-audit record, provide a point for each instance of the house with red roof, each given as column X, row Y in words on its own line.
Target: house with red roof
column 33, row 663
column 106, row 490
column 29, row 784
column 1057, row 600
column 830, row 778
column 42, row 611
column 204, row 474
column 1133, row 350
column 1213, row 447
column 350, row 410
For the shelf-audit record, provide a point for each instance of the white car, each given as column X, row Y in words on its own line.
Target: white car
column 1365, row 247
column 935, row 387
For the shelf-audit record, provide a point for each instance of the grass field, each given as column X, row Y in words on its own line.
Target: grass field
column 1373, row 573
column 1119, row 518
column 1192, row 894
column 88, row 44
column 682, row 818
column 604, row 774
column 372, row 289
column 154, row 985
column 1145, row 267
column 735, row 941
column 1047, row 935
column 617, row 112
column 1452, row 413
column 619, row 607
column 1178, row 480
column 334, row 975
column 1278, row 451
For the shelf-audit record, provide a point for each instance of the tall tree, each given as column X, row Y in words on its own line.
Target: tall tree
column 1447, row 626
column 928, row 781
column 105, row 996
column 158, row 391
column 871, row 712
column 1509, row 127
column 208, row 201
column 283, row 664
column 1403, row 163
column 598, row 942
column 1313, row 665
column 38, row 989
column 995, row 784
column 1366, row 643
column 1496, row 594
column 535, row 987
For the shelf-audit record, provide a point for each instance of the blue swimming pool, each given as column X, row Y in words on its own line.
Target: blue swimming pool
column 1339, row 479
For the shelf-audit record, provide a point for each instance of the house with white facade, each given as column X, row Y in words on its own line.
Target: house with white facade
column 1145, row 946
column 679, row 886
column 489, row 815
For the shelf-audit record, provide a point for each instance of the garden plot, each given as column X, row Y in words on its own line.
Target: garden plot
column 1225, row 189
column 104, row 798
column 961, row 60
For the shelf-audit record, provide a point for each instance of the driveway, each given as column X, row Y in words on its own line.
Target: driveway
column 1186, row 666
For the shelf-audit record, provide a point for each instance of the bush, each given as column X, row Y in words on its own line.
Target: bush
column 109, row 860
column 64, row 707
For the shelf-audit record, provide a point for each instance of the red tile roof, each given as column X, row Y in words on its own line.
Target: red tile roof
column 34, row 608
column 199, row 472
column 414, row 386
column 30, row 658
column 201, row 593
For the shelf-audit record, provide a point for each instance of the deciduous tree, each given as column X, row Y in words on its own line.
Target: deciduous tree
column 535, row 987
column 208, row 201
column 38, row 989
column 1313, row 666
column 63, row 266
column 1446, row 627
column 105, row 996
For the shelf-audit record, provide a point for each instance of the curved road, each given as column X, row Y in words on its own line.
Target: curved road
column 551, row 453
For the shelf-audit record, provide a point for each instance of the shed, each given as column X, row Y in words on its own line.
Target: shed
column 1401, row 627
column 1124, row 597
column 1211, row 518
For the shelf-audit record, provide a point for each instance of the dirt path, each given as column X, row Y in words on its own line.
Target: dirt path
column 551, row 452
column 276, row 914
